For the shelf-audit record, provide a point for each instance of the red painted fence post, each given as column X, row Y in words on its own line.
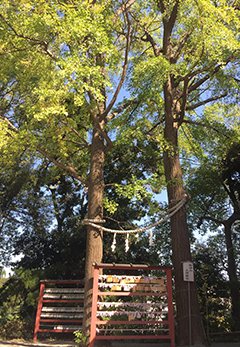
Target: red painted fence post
column 170, row 307
column 94, row 306
column 40, row 302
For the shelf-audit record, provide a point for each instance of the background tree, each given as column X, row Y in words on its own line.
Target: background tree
column 15, row 173
column 216, row 204
column 212, row 287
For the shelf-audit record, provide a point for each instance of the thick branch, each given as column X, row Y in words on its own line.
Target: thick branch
column 206, row 208
column 82, row 145
column 183, row 106
column 112, row 102
column 161, row 6
column 62, row 166
column 148, row 38
column 21, row 35
column 122, row 9
column 181, row 44
column 218, row 221
column 202, row 80
column 29, row 38
column 232, row 219
column 173, row 16
column 187, row 121
column 236, row 80
column 214, row 98
column 207, row 77
column 120, row 109
column 232, row 197
column 155, row 126
column 75, row 132
column 102, row 131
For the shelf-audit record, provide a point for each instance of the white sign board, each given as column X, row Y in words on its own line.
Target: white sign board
column 188, row 271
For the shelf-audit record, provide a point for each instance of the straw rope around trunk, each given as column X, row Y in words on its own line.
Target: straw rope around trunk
column 96, row 223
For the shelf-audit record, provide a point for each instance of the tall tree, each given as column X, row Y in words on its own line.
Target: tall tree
column 80, row 46
column 61, row 58
column 182, row 61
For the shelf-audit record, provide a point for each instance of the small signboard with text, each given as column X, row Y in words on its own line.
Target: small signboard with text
column 188, row 271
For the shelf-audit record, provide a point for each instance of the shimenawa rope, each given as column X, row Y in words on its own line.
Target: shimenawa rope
column 172, row 211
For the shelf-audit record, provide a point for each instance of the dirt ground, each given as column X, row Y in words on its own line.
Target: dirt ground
column 21, row 343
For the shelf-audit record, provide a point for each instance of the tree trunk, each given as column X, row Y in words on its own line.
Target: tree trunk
column 179, row 230
column 233, row 279
column 94, row 246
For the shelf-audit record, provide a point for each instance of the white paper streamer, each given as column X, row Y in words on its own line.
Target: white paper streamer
column 151, row 238
column 127, row 243
column 113, row 247
column 137, row 238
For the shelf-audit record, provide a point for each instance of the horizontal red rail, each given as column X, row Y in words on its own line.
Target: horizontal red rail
column 166, row 326
column 62, row 281
column 52, row 301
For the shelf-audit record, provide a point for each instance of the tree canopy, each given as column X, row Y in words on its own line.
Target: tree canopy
column 63, row 65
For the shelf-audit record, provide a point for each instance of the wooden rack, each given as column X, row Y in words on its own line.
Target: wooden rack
column 60, row 306
column 132, row 306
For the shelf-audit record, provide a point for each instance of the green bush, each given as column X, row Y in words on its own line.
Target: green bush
column 15, row 328
column 18, row 302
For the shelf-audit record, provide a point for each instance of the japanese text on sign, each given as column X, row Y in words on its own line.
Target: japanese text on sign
column 188, row 271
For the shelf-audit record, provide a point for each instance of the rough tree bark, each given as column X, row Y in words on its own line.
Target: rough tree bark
column 179, row 227
column 94, row 246
column 174, row 114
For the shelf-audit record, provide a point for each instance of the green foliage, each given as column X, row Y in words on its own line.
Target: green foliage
column 57, row 63
column 231, row 169
column 2, row 281
column 16, row 328
column 18, row 301
column 80, row 339
column 56, row 244
column 212, row 287
column 64, row 40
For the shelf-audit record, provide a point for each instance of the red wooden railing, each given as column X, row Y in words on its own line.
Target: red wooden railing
column 60, row 306
column 154, row 293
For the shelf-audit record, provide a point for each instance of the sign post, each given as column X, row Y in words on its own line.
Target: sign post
column 188, row 276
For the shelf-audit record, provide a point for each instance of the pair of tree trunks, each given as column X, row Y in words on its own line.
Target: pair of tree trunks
column 179, row 232
column 181, row 43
